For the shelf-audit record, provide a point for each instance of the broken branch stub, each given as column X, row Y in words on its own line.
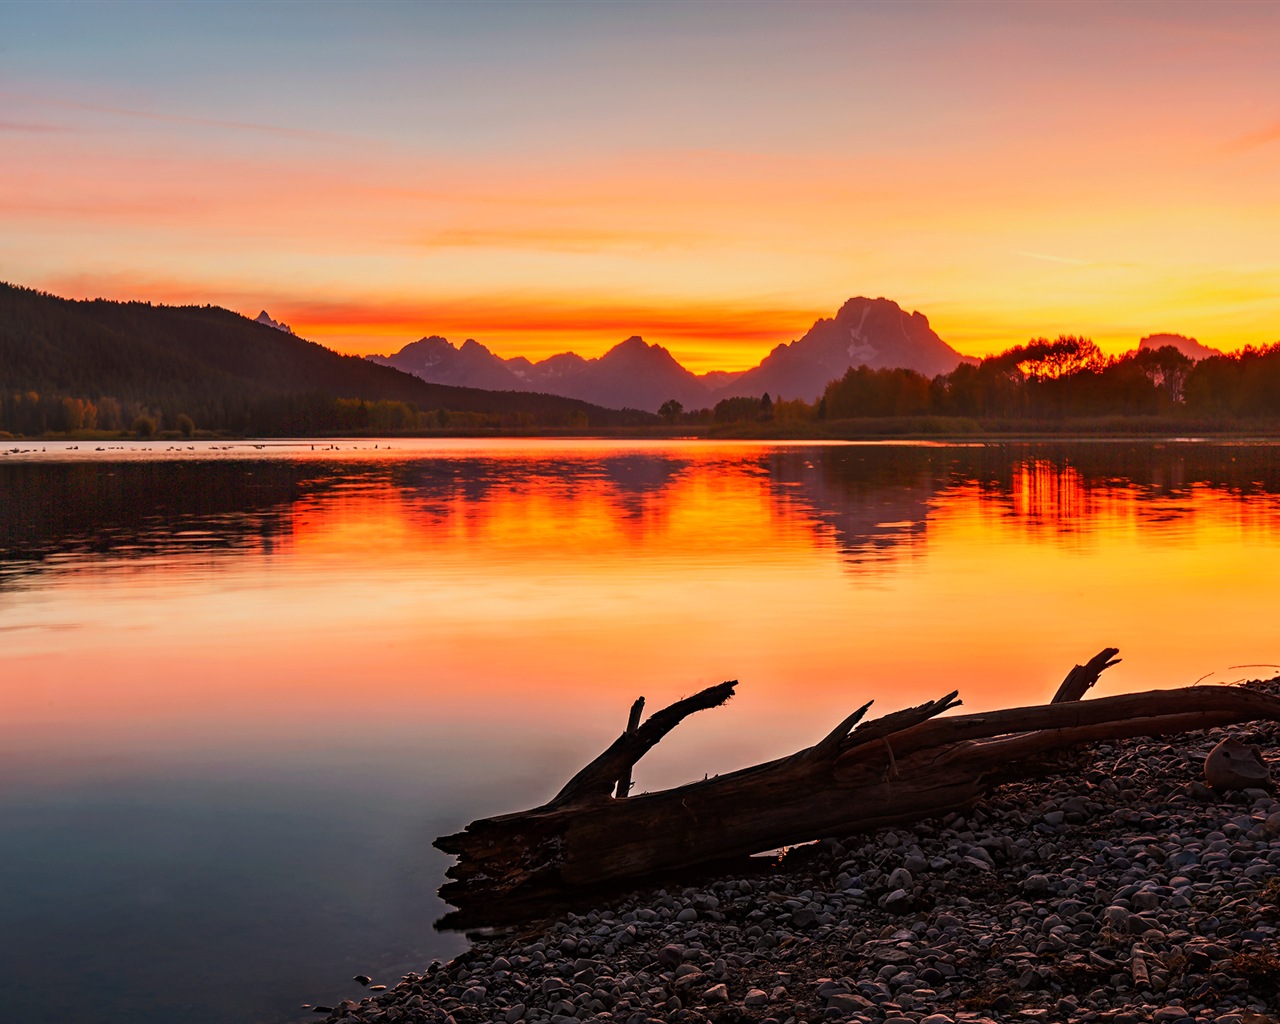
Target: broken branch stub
column 633, row 723
column 1082, row 678
column 598, row 779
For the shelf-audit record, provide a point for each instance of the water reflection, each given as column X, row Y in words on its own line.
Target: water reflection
column 875, row 500
column 243, row 690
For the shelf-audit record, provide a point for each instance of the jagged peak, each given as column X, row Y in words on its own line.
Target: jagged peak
column 267, row 320
column 431, row 341
column 859, row 302
column 636, row 347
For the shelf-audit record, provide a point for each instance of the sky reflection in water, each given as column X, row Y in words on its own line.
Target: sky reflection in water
column 244, row 687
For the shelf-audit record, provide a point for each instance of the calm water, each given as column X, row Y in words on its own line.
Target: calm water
column 244, row 687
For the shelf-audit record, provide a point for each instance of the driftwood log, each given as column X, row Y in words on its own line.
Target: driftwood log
column 900, row 768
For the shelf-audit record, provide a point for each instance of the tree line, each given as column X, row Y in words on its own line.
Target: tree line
column 32, row 414
column 1066, row 378
column 70, row 366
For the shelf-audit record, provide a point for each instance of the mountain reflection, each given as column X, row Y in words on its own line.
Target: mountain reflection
column 874, row 503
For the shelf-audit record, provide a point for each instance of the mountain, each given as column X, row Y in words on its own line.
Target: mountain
column 1189, row 347
column 631, row 375
column 635, row 375
column 715, row 380
column 222, row 369
column 472, row 366
column 877, row 332
column 266, row 320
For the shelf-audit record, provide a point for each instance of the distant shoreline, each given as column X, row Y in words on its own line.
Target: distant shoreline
column 870, row 429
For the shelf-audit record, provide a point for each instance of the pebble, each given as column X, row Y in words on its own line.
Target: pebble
column 1122, row 891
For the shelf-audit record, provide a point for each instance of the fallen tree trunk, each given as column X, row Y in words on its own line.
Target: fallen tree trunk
column 901, row 768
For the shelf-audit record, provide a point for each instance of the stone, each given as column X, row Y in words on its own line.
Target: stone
column 803, row 918
column 897, row 901
column 1235, row 765
column 671, row 956
column 847, row 1002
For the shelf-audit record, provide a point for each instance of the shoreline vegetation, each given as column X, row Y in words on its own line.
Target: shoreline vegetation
column 890, row 428
column 104, row 370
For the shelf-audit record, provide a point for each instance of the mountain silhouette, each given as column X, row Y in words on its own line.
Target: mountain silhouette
column 217, row 366
column 471, row 366
column 631, row 375
column 874, row 332
column 1189, row 347
column 267, row 320
column 636, row 375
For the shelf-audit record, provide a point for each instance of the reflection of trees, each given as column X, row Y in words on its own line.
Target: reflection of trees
column 632, row 478
column 875, row 500
column 134, row 509
column 137, row 508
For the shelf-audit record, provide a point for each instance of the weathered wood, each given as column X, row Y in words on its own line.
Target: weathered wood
column 598, row 779
column 1082, row 678
column 633, row 723
column 901, row 768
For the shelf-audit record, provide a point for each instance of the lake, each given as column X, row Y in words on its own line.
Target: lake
column 244, row 685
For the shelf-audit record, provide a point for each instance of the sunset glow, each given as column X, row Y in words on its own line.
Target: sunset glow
column 564, row 580
column 713, row 177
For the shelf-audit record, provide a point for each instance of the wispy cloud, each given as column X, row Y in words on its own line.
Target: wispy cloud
column 534, row 324
column 1244, row 143
column 1054, row 259
column 547, row 314
column 32, row 127
column 187, row 120
column 558, row 239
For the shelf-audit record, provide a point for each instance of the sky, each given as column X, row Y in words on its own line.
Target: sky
column 713, row 176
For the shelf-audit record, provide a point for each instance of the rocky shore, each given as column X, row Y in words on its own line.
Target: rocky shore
column 1120, row 889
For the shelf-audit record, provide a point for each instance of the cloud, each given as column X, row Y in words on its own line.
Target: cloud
column 33, row 127
column 1253, row 140
column 533, row 324
column 555, row 239
column 1053, row 259
column 476, row 316
column 183, row 119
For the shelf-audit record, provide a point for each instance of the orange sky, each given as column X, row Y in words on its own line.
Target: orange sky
column 712, row 177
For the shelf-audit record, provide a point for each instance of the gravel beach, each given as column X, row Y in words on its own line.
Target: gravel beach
column 1120, row 889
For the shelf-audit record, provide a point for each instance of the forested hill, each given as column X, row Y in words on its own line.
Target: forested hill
column 69, row 365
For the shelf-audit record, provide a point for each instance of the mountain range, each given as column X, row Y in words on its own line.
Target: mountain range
column 220, row 368
column 637, row 375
